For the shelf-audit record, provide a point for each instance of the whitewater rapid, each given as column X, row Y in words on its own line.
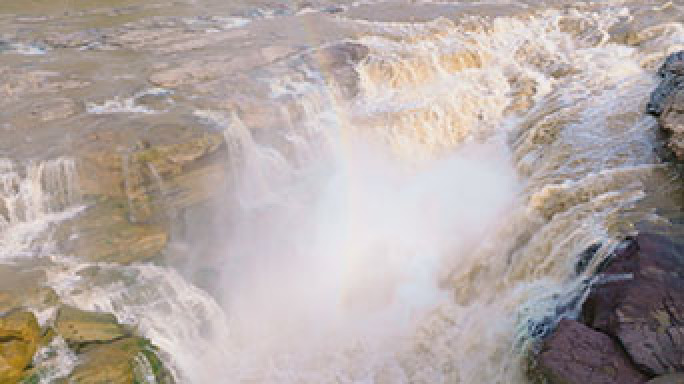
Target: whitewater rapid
column 424, row 229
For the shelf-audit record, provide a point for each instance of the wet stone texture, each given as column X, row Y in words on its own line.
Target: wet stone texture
column 81, row 327
column 642, row 303
column 106, row 351
column 19, row 336
column 576, row 353
column 632, row 325
column 667, row 103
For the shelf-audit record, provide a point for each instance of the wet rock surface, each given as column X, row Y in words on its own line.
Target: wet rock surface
column 576, row 353
column 132, row 195
column 667, row 103
column 632, row 321
column 129, row 360
column 79, row 327
column 19, row 338
column 104, row 351
column 641, row 303
column 106, row 234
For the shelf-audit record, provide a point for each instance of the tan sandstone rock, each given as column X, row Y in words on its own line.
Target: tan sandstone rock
column 126, row 361
column 19, row 338
column 80, row 327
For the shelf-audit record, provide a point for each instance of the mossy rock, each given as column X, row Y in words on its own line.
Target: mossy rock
column 79, row 327
column 127, row 361
column 19, row 338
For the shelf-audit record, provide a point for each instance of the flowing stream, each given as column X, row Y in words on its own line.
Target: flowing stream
column 412, row 215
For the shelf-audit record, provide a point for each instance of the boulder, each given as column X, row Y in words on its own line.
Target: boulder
column 19, row 338
column 577, row 354
column 667, row 102
column 79, row 327
column 672, row 122
column 639, row 300
column 126, row 361
column 670, row 81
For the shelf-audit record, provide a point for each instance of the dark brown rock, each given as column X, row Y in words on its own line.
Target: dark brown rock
column 575, row 353
column 671, row 121
column 667, row 102
column 640, row 302
column 675, row 378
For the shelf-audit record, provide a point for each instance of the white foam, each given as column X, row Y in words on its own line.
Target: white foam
column 25, row 49
column 175, row 315
column 335, row 254
column 131, row 104
column 32, row 198
column 54, row 361
column 117, row 106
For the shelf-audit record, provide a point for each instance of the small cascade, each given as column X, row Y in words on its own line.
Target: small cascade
column 184, row 321
column 32, row 197
column 38, row 189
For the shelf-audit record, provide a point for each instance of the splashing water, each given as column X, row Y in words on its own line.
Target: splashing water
column 31, row 198
column 422, row 231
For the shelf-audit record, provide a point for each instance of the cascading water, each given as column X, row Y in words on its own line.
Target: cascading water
column 423, row 230
column 31, row 198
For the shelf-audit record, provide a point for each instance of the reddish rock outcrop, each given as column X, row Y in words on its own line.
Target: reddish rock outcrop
column 641, row 303
column 632, row 325
column 576, row 353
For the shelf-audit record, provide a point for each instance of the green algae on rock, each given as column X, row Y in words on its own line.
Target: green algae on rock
column 127, row 361
column 106, row 351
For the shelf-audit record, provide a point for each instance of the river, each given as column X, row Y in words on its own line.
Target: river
column 405, row 190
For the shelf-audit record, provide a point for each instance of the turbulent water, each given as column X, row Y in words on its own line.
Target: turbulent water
column 414, row 217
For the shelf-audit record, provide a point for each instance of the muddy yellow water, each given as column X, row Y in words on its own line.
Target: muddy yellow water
column 329, row 192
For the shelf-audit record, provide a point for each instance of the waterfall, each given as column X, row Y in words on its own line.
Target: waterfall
column 406, row 203
column 31, row 198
